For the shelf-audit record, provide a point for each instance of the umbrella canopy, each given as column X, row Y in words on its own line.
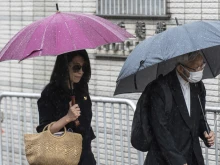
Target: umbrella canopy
column 159, row 54
column 61, row 33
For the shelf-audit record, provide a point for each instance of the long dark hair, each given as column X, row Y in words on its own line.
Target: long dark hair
column 60, row 72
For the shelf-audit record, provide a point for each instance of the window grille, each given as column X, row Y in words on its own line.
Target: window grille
column 132, row 7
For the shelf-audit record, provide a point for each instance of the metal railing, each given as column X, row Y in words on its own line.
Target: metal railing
column 131, row 7
column 112, row 119
column 211, row 155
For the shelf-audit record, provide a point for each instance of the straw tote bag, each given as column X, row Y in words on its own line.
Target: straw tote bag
column 47, row 149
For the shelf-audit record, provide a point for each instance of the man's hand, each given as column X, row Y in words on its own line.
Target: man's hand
column 210, row 138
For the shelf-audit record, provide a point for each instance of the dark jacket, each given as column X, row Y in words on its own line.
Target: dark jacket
column 176, row 135
column 54, row 104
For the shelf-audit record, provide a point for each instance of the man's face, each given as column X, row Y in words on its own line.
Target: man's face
column 197, row 64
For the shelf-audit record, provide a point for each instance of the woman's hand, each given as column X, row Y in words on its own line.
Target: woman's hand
column 73, row 113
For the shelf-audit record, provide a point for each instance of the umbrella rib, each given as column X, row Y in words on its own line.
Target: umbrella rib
column 110, row 28
column 146, row 58
column 45, row 33
column 96, row 32
column 56, row 35
column 7, row 46
column 201, row 50
column 42, row 38
column 204, row 54
column 71, row 36
column 20, row 42
column 210, row 25
column 184, row 27
column 208, row 64
column 29, row 42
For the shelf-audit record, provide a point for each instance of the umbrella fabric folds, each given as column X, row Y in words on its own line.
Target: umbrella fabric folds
column 160, row 53
column 61, row 33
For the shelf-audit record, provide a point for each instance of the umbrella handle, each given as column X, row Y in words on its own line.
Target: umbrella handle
column 73, row 100
column 204, row 116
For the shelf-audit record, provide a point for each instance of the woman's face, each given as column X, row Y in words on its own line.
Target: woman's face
column 76, row 67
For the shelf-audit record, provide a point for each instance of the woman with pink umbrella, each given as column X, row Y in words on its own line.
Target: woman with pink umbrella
column 66, row 35
column 55, row 103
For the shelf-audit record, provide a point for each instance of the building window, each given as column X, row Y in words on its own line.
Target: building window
column 132, row 8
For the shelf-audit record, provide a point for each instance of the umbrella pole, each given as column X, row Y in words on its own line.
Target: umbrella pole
column 204, row 116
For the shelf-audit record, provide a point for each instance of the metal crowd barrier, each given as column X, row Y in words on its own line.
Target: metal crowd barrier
column 211, row 155
column 112, row 119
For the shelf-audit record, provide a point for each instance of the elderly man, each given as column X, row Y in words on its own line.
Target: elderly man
column 176, row 134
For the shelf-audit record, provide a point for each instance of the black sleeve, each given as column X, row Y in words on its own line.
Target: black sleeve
column 92, row 134
column 46, row 110
column 159, row 124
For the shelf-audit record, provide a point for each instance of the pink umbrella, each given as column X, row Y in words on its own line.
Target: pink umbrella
column 61, row 33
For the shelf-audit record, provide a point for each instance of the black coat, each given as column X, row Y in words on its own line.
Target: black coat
column 176, row 135
column 54, row 104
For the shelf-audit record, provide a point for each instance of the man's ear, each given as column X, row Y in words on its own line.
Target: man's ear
column 184, row 72
column 180, row 68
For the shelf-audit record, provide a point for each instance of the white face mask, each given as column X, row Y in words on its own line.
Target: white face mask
column 194, row 77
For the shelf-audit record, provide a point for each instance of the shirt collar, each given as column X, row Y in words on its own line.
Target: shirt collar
column 181, row 80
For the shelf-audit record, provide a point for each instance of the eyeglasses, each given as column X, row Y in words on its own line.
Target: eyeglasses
column 195, row 69
column 77, row 67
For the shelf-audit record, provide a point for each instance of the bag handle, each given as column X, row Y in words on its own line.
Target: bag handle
column 48, row 129
column 48, row 125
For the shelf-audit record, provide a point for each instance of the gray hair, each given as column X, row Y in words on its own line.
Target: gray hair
column 189, row 57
